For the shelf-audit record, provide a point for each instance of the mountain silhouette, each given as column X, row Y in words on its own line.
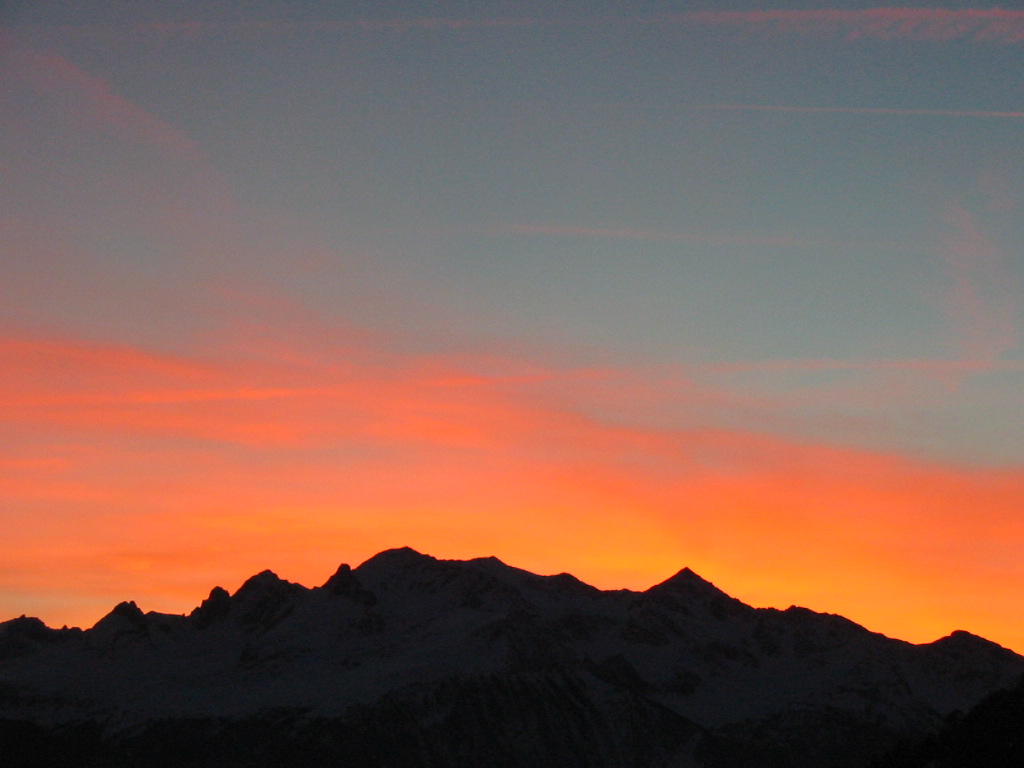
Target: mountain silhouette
column 408, row 660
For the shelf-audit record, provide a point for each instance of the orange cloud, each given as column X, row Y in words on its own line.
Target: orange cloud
column 153, row 477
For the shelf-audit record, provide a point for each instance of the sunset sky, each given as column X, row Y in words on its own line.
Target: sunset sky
column 610, row 288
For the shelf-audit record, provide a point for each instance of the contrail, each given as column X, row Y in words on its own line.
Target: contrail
column 992, row 25
column 865, row 110
column 981, row 25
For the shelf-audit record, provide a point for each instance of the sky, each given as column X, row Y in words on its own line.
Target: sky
column 610, row 288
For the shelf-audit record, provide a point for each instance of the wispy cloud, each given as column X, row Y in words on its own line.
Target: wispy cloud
column 96, row 104
column 937, row 366
column 254, row 29
column 983, row 303
column 63, row 95
column 722, row 239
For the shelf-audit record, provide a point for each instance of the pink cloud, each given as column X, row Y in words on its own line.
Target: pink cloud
column 92, row 174
column 993, row 25
column 59, row 94
column 97, row 104
column 190, row 30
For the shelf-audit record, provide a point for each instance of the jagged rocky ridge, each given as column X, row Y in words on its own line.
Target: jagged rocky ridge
column 412, row 661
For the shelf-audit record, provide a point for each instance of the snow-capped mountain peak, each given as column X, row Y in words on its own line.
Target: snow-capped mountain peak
column 405, row 629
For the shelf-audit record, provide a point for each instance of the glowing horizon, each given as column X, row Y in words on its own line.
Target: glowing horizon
column 459, row 463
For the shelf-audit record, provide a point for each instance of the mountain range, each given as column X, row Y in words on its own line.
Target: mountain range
column 408, row 660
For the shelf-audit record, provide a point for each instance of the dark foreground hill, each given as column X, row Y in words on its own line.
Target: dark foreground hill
column 412, row 661
column 990, row 734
